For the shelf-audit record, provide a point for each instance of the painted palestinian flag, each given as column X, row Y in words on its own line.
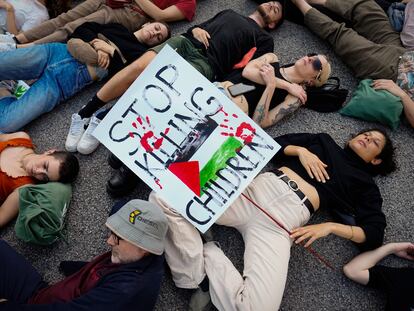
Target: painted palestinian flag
column 196, row 180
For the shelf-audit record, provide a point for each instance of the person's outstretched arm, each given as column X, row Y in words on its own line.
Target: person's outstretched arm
column 120, row 82
column 10, row 17
column 393, row 88
column 169, row 14
column 358, row 268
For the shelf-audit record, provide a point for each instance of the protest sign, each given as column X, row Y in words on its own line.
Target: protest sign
column 186, row 139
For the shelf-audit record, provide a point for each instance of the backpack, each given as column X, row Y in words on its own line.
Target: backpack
column 326, row 98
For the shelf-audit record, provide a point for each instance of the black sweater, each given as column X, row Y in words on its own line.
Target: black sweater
column 126, row 42
column 350, row 190
column 232, row 36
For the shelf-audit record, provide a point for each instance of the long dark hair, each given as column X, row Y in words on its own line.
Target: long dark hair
column 57, row 7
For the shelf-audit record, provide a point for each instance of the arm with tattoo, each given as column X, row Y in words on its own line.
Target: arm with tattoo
column 261, row 113
column 290, row 105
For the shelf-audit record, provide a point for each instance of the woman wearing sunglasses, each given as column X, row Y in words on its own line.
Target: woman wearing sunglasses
column 278, row 90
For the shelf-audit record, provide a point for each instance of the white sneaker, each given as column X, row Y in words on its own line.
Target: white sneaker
column 7, row 38
column 7, row 46
column 88, row 143
column 76, row 130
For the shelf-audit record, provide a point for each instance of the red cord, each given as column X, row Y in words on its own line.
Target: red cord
column 309, row 248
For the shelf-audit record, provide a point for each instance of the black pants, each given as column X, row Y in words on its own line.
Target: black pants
column 19, row 280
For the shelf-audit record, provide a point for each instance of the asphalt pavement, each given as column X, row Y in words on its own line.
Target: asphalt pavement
column 310, row 286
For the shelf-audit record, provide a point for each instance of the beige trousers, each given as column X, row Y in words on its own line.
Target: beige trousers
column 59, row 28
column 267, row 248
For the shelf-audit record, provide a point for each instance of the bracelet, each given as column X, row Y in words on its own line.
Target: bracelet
column 352, row 233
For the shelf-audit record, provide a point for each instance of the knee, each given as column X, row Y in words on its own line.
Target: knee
column 139, row 65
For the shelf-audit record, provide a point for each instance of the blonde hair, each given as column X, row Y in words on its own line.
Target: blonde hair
column 325, row 73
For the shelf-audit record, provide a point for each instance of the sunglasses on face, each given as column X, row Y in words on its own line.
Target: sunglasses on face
column 316, row 63
column 115, row 237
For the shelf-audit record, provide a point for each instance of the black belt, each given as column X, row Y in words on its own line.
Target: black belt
column 295, row 188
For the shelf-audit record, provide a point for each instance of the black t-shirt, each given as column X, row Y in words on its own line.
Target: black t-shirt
column 254, row 96
column 127, row 43
column 232, row 36
column 398, row 283
column 351, row 189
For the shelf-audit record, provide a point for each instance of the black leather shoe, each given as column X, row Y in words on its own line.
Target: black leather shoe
column 114, row 162
column 122, row 182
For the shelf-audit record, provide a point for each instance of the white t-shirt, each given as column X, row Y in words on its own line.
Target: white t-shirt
column 29, row 13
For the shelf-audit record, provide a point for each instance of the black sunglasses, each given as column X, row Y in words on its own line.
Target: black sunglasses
column 316, row 63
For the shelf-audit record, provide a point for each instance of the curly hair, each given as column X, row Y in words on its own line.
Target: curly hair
column 57, row 7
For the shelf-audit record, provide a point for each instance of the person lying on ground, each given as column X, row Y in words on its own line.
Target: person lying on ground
column 213, row 48
column 371, row 48
column 279, row 90
column 128, row 277
column 313, row 172
column 20, row 165
column 132, row 17
column 18, row 16
column 112, row 47
column 397, row 283
column 59, row 75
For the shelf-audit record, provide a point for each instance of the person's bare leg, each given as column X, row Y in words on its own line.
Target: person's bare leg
column 120, row 82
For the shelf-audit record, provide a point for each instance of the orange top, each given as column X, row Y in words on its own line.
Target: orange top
column 8, row 183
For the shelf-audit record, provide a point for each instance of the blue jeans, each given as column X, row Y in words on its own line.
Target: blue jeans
column 59, row 75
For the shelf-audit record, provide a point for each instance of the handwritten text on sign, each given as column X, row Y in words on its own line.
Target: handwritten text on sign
column 187, row 140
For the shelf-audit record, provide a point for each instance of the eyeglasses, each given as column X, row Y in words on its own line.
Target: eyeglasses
column 116, row 237
column 317, row 64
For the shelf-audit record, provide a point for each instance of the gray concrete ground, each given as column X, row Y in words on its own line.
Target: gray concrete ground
column 310, row 285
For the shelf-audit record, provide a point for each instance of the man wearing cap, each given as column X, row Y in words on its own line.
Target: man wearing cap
column 126, row 278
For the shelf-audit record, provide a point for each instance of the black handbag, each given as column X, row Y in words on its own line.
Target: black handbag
column 326, row 98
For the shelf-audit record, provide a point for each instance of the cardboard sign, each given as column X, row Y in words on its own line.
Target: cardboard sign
column 184, row 138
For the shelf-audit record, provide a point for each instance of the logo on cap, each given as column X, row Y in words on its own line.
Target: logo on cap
column 133, row 215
